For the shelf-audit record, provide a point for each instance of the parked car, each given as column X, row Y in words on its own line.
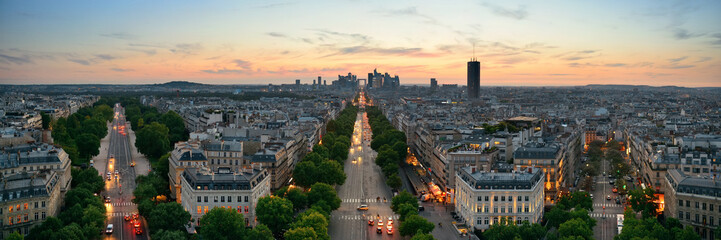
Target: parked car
column 421, row 208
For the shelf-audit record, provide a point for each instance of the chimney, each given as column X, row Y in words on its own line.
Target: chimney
column 530, row 170
column 473, row 169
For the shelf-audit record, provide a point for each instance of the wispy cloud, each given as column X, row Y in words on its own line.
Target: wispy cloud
column 105, row 57
column 682, row 34
column 615, row 65
column 276, row 34
column 15, row 60
column 245, row 65
column 187, row 48
column 224, row 71
column 716, row 39
column 356, row 38
column 703, row 59
column 149, row 52
column 679, row 66
column 519, row 14
column 122, row 69
column 416, row 52
column 656, row 75
column 578, row 55
column 675, row 60
column 80, row 61
column 411, row 12
column 118, row 35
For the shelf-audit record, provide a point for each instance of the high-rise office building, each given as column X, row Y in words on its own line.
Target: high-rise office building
column 434, row 84
column 297, row 82
column 474, row 79
column 370, row 80
column 319, row 81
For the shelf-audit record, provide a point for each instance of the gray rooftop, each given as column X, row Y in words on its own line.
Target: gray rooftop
column 682, row 183
column 537, row 151
column 504, row 180
column 223, row 180
column 29, row 154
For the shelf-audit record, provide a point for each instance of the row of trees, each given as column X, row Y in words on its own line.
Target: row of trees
column 84, row 214
column 390, row 145
column 79, row 134
column 277, row 211
column 650, row 225
column 406, row 205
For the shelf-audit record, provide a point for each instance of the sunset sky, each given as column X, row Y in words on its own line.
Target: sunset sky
column 528, row 43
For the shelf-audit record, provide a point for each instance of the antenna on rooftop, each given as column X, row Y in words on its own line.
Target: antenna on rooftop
column 474, row 51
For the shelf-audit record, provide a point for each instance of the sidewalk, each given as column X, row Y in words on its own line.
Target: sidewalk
column 142, row 165
column 101, row 160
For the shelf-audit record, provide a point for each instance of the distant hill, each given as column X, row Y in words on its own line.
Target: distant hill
column 180, row 84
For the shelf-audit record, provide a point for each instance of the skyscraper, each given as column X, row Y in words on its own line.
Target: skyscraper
column 434, row 84
column 474, row 79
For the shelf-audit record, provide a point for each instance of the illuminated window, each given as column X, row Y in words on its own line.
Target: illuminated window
column 199, row 209
column 246, row 209
column 206, row 209
column 10, row 209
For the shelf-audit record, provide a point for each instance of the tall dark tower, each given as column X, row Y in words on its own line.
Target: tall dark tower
column 474, row 79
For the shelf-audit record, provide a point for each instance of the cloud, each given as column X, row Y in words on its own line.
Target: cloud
column 15, row 60
column 274, row 5
column 275, row 34
column 560, row 74
column 118, row 35
column 245, row 65
column 717, row 40
column 80, row 61
column 675, row 60
column 655, row 75
column 416, row 52
column 149, row 52
column 105, row 57
column 121, row 69
column 679, row 66
column 225, row 71
column 615, row 65
column 145, row 45
column 187, row 48
column 344, row 37
column 412, row 12
column 682, row 34
column 518, row 14
column 578, row 55
column 703, row 59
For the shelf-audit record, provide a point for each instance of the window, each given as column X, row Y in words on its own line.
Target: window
column 200, row 209
column 703, row 206
column 503, row 210
column 526, row 198
column 710, row 220
column 43, row 215
column 199, row 199
column 680, row 214
column 485, row 209
column 215, row 199
column 205, row 209
column 518, row 209
column 222, row 198
column 240, row 199
column 36, row 204
column 680, row 203
column 37, row 216
column 519, row 199
column 239, row 209
column 479, row 221
column 696, row 217
column 10, row 209
column 246, row 209
column 246, row 198
column 696, row 203
column 710, row 207
column 495, row 198
column 495, row 209
column 205, row 199
column 688, row 216
column 480, row 198
column 43, row 203
column 688, row 203
column 486, row 198
column 503, row 198
column 525, row 209
column 510, row 209
column 485, row 221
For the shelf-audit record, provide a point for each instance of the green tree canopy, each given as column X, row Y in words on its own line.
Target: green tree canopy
column 169, row 216
column 575, row 228
column 403, row 197
column 315, row 220
column 88, row 145
column 322, row 191
column 414, row 224
column 304, row 233
column 162, row 234
column 152, row 140
column 222, row 224
column 274, row 212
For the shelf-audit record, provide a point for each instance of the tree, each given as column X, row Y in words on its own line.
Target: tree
column 575, row 227
column 169, row 235
column 339, row 152
column 401, row 149
column 556, row 217
column 304, row 233
column 89, row 177
column 297, row 197
column 163, row 166
column 401, row 198
column 221, row 224
column 88, row 145
column 46, row 119
column 331, row 172
column 687, row 234
column 394, row 181
column 322, row 150
column 45, row 230
column 104, row 111
column 322, row 191
column 414, row 224
column 423, row 236
column 576, row 200
column 305, row 174
column 260, row 232
column 92, row 221
column 406, row 210
column 15, row 236
column 72, row 231
column 152, row 140
column 84, row 197
column 315, row 220
column 274, row 212
column 169, row 216
column 644, row 201
column 95, row 126
column 314, row 157
column 390, row 168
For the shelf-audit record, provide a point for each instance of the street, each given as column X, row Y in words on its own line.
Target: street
column 120, row 187
column 364, row 185
column 606, row 227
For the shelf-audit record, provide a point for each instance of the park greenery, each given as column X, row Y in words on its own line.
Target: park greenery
column 79, row 134
column 652, row 228
column 226, row 224
column 83, row 216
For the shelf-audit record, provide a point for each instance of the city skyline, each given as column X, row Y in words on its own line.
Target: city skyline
column 518, row 43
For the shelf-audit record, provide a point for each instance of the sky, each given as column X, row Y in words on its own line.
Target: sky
column 519, row 43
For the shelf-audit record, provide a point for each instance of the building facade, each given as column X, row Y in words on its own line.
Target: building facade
column 487, row 198
column 474, row 79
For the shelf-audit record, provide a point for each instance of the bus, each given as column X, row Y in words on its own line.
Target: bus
column 619, row 222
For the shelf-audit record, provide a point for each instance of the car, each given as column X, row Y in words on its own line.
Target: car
column 389, row 230
column 132, row 164
column 363, row 207
column 390, row 221
column 136, row 223
column 109, row 229
column 126, row 217
column 138, row 231
column 591, row 195
column 380, row 222
column 618, row 201
column 421, row 208
column 615, row 190
column 371, row 222
column 604, row 174
column 135, row 216
column 379, row 230
column 611, row 182
column 107, row 199
column 608, row 198
column 116, row 172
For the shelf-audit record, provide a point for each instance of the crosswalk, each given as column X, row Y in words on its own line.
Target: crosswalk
column 608, row 205
column 122, row 204
column 358, row 200
column 601, row 215
column 364, row 218
column 120, row 214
